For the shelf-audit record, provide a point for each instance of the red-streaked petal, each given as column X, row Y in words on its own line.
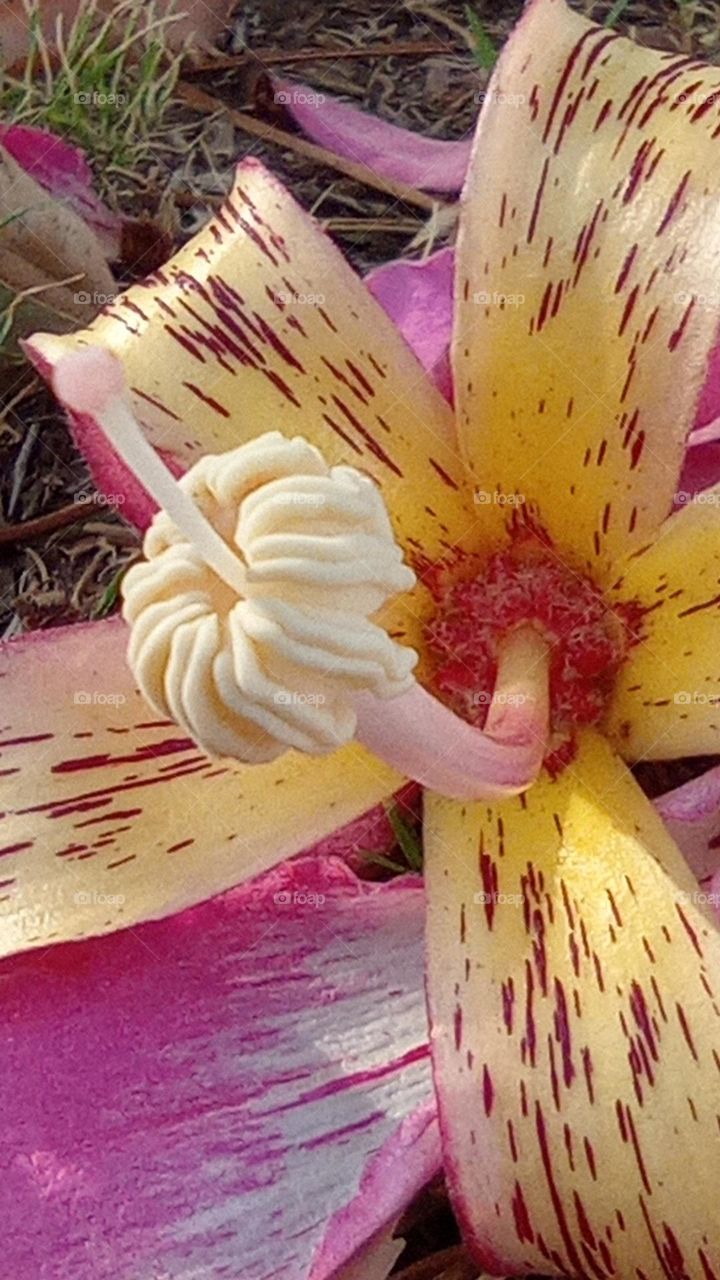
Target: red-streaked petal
column 258, row 323
column 203, row 1095
column 432, row 164
column 666, row 697
column 109, row 816
column 583, row 331
column 691, row 814
column 573, row 982
column 418, row 297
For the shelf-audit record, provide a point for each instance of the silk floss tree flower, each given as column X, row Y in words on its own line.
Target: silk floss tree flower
column 348, row 587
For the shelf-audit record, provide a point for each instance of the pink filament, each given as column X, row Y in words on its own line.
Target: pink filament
column 426, row 741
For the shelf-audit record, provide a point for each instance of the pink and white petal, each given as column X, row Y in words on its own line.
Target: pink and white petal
column 109, row 816
column 691, row 814
column 418, row 296
column 432, row 164
column 409, row 1158
column 201, row 1096
column 65, row 172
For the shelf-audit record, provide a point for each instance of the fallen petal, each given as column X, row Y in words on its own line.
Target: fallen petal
column 432, row 164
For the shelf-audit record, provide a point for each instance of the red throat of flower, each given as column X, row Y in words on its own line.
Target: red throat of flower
column 479, row 602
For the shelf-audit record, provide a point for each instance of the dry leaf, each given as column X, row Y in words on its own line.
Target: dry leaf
column 52, row 267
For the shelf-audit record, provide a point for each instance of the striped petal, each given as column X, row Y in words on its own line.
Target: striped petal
column 666, row 700
column 584, row 323
column 108, row 816
column 207, row 1096
column 259, row 324
column 573, row 979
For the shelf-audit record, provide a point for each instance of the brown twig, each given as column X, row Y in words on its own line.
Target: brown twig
column 389, row 226
column 188, row 199
column 202, row 101
column 29, row 529
column 276, row 57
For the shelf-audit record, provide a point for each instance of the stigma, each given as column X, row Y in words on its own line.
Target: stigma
column 480, row 602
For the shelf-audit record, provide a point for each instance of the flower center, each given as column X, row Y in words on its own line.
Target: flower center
column 480, row 601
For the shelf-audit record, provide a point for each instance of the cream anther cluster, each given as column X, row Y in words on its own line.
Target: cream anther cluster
column 250, row 675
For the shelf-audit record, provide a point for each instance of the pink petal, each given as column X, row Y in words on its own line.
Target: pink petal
column 692, row 815
column 64, row 171
column 701, row 469
column 409, row 1158
column 207, row 1095
column 432, row 164
column 110, row 472
column 709, row 406
column 418, row 296
column 371, row 833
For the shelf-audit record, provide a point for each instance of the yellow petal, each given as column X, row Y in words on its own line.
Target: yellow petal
column 667, row 696
column 109, row 817
column 574, row 982
column 589, row 234
column 259, row 324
